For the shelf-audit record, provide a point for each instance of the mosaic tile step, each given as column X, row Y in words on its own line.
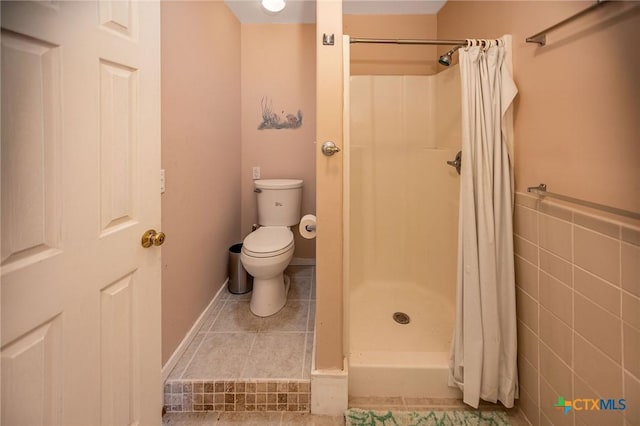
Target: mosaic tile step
column 237, row 395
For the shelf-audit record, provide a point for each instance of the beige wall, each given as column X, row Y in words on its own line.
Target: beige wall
column 201, row 157
column 576, row 129
column 578, row 299
column 278, row 62
column 576, row 116
column 329, row 291
column 392, row 59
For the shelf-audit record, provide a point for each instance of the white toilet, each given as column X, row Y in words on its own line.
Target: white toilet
column 267, row 251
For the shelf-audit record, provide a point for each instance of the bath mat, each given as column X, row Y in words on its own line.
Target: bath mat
column 358, row 417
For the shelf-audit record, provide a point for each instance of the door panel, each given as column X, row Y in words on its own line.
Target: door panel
column 80, row 165
column 118, row 90
column 118, row 338
column 31, row 368
column 120, row 17
column 31, row 173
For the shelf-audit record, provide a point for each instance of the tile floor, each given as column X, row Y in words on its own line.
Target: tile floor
column 235, row 344
column 242, row 362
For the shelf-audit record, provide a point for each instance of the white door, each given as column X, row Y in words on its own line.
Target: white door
column 80, row 297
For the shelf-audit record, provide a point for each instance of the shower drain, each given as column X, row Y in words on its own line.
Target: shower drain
column 401, row 318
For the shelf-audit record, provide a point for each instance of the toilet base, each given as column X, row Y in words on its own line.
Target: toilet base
column 269, row 295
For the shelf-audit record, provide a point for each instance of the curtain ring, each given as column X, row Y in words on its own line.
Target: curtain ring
column 469, row 44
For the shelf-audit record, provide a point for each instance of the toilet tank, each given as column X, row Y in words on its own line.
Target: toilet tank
column 278, row 201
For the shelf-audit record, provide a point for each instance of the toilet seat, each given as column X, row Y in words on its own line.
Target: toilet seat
column 268, row 241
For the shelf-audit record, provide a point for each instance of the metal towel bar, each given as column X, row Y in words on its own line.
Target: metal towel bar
column 542, row 190
column 541, row 37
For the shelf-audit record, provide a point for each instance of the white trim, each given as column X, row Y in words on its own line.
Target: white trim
column 346, row 191
column 330, row 391
column 329, row 388
column 191, row 334
column 303, row 261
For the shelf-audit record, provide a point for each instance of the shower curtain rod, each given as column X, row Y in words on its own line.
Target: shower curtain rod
column 408, row 41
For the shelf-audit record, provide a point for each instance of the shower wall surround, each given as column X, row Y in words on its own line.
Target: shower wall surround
column 402, row 200
column 578, row 307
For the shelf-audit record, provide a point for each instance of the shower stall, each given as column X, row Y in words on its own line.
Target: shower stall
column 400, row 235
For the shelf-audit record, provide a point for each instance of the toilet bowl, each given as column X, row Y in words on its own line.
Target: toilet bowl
column 266, row 253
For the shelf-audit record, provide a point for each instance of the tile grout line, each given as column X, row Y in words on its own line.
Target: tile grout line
column 227, row 303
column 224, row 304
column 304, row 349
column 248, row 356
column 200, row 344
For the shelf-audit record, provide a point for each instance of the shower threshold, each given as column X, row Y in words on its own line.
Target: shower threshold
column 407, row 374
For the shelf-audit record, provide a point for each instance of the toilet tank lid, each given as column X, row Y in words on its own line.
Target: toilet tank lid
column 278, row 183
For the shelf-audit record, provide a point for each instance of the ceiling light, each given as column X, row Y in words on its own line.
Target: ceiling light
column 274, row 6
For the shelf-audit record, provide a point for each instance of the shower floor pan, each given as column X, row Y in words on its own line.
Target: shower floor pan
column 391, row 359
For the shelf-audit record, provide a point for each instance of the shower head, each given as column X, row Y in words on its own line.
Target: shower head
column 446, row 58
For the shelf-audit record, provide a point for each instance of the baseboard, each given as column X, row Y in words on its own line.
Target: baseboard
column 303, row 261
column 191, row 334
column 329, row 389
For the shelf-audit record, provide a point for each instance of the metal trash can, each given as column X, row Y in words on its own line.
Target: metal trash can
column 240, row 281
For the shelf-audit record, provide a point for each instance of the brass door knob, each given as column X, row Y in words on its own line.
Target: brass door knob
column 152, row 238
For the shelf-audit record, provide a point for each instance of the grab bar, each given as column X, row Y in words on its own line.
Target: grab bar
column 542, row 190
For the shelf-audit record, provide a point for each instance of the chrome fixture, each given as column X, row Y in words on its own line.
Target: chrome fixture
column 329, row 148
column 457, row 162
column 446, row 58
column 328, row 39
column 542, row 191
column 408, row 41
column 541, row 37
column 443, row 59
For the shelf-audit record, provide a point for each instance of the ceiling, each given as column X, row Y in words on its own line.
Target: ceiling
column 304, row 11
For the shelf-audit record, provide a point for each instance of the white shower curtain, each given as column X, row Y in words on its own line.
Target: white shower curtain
column 484, row 349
